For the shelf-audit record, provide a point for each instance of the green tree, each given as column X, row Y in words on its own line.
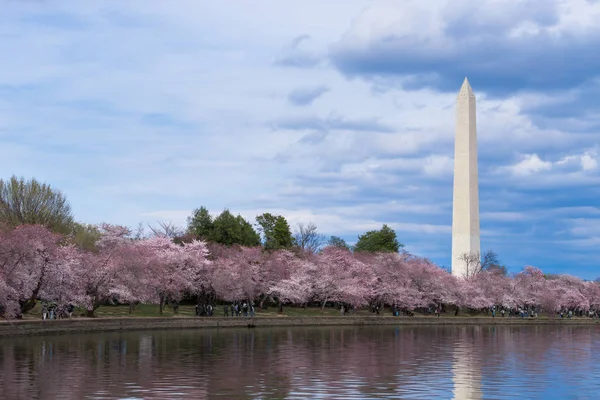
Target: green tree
column 227, row 229
column 250, row 237
column 32, row 202
column 276, row 231
column 336, row 241
column 383, row 240
column 200, row 223
column 224, row 229
column 85, row 236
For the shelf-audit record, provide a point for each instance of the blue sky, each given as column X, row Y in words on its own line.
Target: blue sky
column 335, row 112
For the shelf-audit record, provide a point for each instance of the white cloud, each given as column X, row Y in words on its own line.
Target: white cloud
column 532, row 164
column 529, row 164
column 589, row 161
column 139, row 110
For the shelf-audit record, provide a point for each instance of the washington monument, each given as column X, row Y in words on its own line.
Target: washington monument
column 465, row 205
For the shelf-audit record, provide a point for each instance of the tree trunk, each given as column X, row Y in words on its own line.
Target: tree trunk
column 262, row 302
column 27, row 305
column 162, row 304
column 323, row 307
column 30, row 303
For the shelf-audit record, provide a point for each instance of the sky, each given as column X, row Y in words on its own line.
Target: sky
column 339, row 113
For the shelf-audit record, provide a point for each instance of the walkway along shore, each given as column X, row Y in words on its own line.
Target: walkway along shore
column 77, row 325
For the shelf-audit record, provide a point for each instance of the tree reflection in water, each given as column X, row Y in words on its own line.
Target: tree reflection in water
column 341, row 362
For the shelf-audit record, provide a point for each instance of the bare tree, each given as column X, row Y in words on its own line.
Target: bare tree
column 475, row 263
column 308, row 238
column 166, row 229
column 489, row 260
column 472, row 262
column 139, row 232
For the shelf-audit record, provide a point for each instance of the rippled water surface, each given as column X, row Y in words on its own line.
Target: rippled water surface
column 306, row 363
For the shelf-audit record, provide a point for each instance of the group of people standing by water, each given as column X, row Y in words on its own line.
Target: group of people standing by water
column 53, row 311
column 236, row 309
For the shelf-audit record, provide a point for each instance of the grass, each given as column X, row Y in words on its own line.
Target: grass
column 185, row 310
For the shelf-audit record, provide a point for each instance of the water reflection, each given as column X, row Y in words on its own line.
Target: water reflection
column 466, row 368
column 349, row 362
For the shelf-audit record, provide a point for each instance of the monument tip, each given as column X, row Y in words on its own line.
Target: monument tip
column 466, row 88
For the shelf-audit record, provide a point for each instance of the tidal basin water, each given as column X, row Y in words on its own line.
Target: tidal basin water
column 487, row 362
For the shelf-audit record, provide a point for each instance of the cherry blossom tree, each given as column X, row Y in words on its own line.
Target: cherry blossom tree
column 174, row 270
column 38, row 264
column 530, row 286
column 342, row 277
column 299, row 287
column 99, row 272
column 27, row 253
column 61, row 284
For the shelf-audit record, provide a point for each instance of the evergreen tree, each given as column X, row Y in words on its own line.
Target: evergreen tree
column 383, row 240
column 200, row 223
column 336, row 241
column 276, row 231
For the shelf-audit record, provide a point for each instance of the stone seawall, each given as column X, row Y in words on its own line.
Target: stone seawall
column 32, row 327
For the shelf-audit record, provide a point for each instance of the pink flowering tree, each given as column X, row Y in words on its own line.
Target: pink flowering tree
column 393, row 283
column 27, row 254
column 299, row 287
column 237, row 273
column 100, row 272
column 570, row 292
column 61, row 286
column 592, row 293
column 342, row 277
column 276, row 266
column 530, row 286
column 173, row 270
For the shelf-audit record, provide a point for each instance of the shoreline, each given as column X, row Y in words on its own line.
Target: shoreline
column 86, row 325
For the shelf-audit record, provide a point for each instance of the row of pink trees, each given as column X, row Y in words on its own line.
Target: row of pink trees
column 37, row 264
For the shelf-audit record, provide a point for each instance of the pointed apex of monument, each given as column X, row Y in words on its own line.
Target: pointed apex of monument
column 465, row 89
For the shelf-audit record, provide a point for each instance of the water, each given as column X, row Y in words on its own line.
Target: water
column 307, row 363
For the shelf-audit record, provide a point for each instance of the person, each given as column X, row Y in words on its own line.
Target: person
column 502, row 312
column 493, row 311
column 51, row 308
column 44, row 311
column 226, row 310
column 252, row 309
column 70, row 309
column 437, row 312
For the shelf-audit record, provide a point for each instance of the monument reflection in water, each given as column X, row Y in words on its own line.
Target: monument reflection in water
column 338, row 362
column 466, row 368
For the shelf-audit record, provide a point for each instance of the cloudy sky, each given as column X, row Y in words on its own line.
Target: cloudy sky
column 337, row 112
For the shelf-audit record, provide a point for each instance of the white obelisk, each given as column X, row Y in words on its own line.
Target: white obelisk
column 465, row 205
